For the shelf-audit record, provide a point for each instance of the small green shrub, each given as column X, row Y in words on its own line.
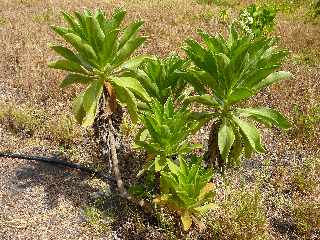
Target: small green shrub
column 257, row 21
column 306, row 123
column 20, row 119
column 305, row 178
column 165, row 132
column 186, row 189
column 162, row 78
column 226, row 73
column 241, row 216
column 99, row 57
column 315, row 8
column 63, row 130
column 306, row 215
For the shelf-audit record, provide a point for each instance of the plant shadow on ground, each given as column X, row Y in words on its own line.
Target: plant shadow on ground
column 56, row 181
column 125, row 220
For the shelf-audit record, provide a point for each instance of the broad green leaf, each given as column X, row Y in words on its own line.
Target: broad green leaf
column 129, row 32
column 96, row 33
column 66, row 53
column 80, row 45
column 60, row 30
column 72, row 23
column 135, row 62
column 90, row 102
column 236, row 151
column 186, row 220
column 127, row 97
column 109, row 46
column 75, row 78
column 272, row 78
column 133, row 85
column 251, row 133
column 66, row 65
column 125, row 52
column 204, row 99
column 239, row 94
column 269, row 115
column 116, row 20
column 92, row 95
column 173, row 167
column 226, row 138
column 78, row 109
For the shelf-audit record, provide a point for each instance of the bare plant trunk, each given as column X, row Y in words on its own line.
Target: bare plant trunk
column 106, row 129
column 212, row 156
column 146, row 206
column 102, row 130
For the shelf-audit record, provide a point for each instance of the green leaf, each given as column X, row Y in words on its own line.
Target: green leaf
column 130, row 31
column 226, row 138
column 266, row 114
column 72, row 23
column 135, row 62
column 96, row 34
column 236, row 151
column 90, row 102
column 66, row 53
column 251, row 133
column 125, row 52
column 186, row 220
column 159, row 163
column 173, row 167
column 203, row 99
column 92, row 95
column 80, row 45
column 272, row 78
column 75, row 78
column 78, row 109
column 127, row 97
column 133, row 85
column 60, row 30
column 66, row 65
column 109, row 46
column 239, row 94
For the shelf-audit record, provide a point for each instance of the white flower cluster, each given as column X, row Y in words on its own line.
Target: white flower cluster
column 246, row 20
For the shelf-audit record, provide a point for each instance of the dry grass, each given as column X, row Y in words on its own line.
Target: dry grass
column 39, row 121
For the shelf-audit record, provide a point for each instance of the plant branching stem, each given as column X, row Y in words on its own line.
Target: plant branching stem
column 146, row 206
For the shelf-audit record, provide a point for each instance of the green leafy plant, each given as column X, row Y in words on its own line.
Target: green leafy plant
column 306, row 123
column 99, row 57
column 315, row 9
column 257, row 20
column 165, row 131
column 226, row 73
column 241, row 215
column 186, row 189
column 162, row 78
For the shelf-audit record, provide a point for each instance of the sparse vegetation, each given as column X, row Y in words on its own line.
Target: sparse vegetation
column 150, row 112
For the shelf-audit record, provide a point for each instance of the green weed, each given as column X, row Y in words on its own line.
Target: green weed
column 242, row 216
column 306, row 123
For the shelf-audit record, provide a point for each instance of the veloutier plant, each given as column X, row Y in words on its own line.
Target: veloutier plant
column 187, row 190
column 99, row 56
column 228, row 72
column 157, row 93
column 162, row 78
column 165, row 132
